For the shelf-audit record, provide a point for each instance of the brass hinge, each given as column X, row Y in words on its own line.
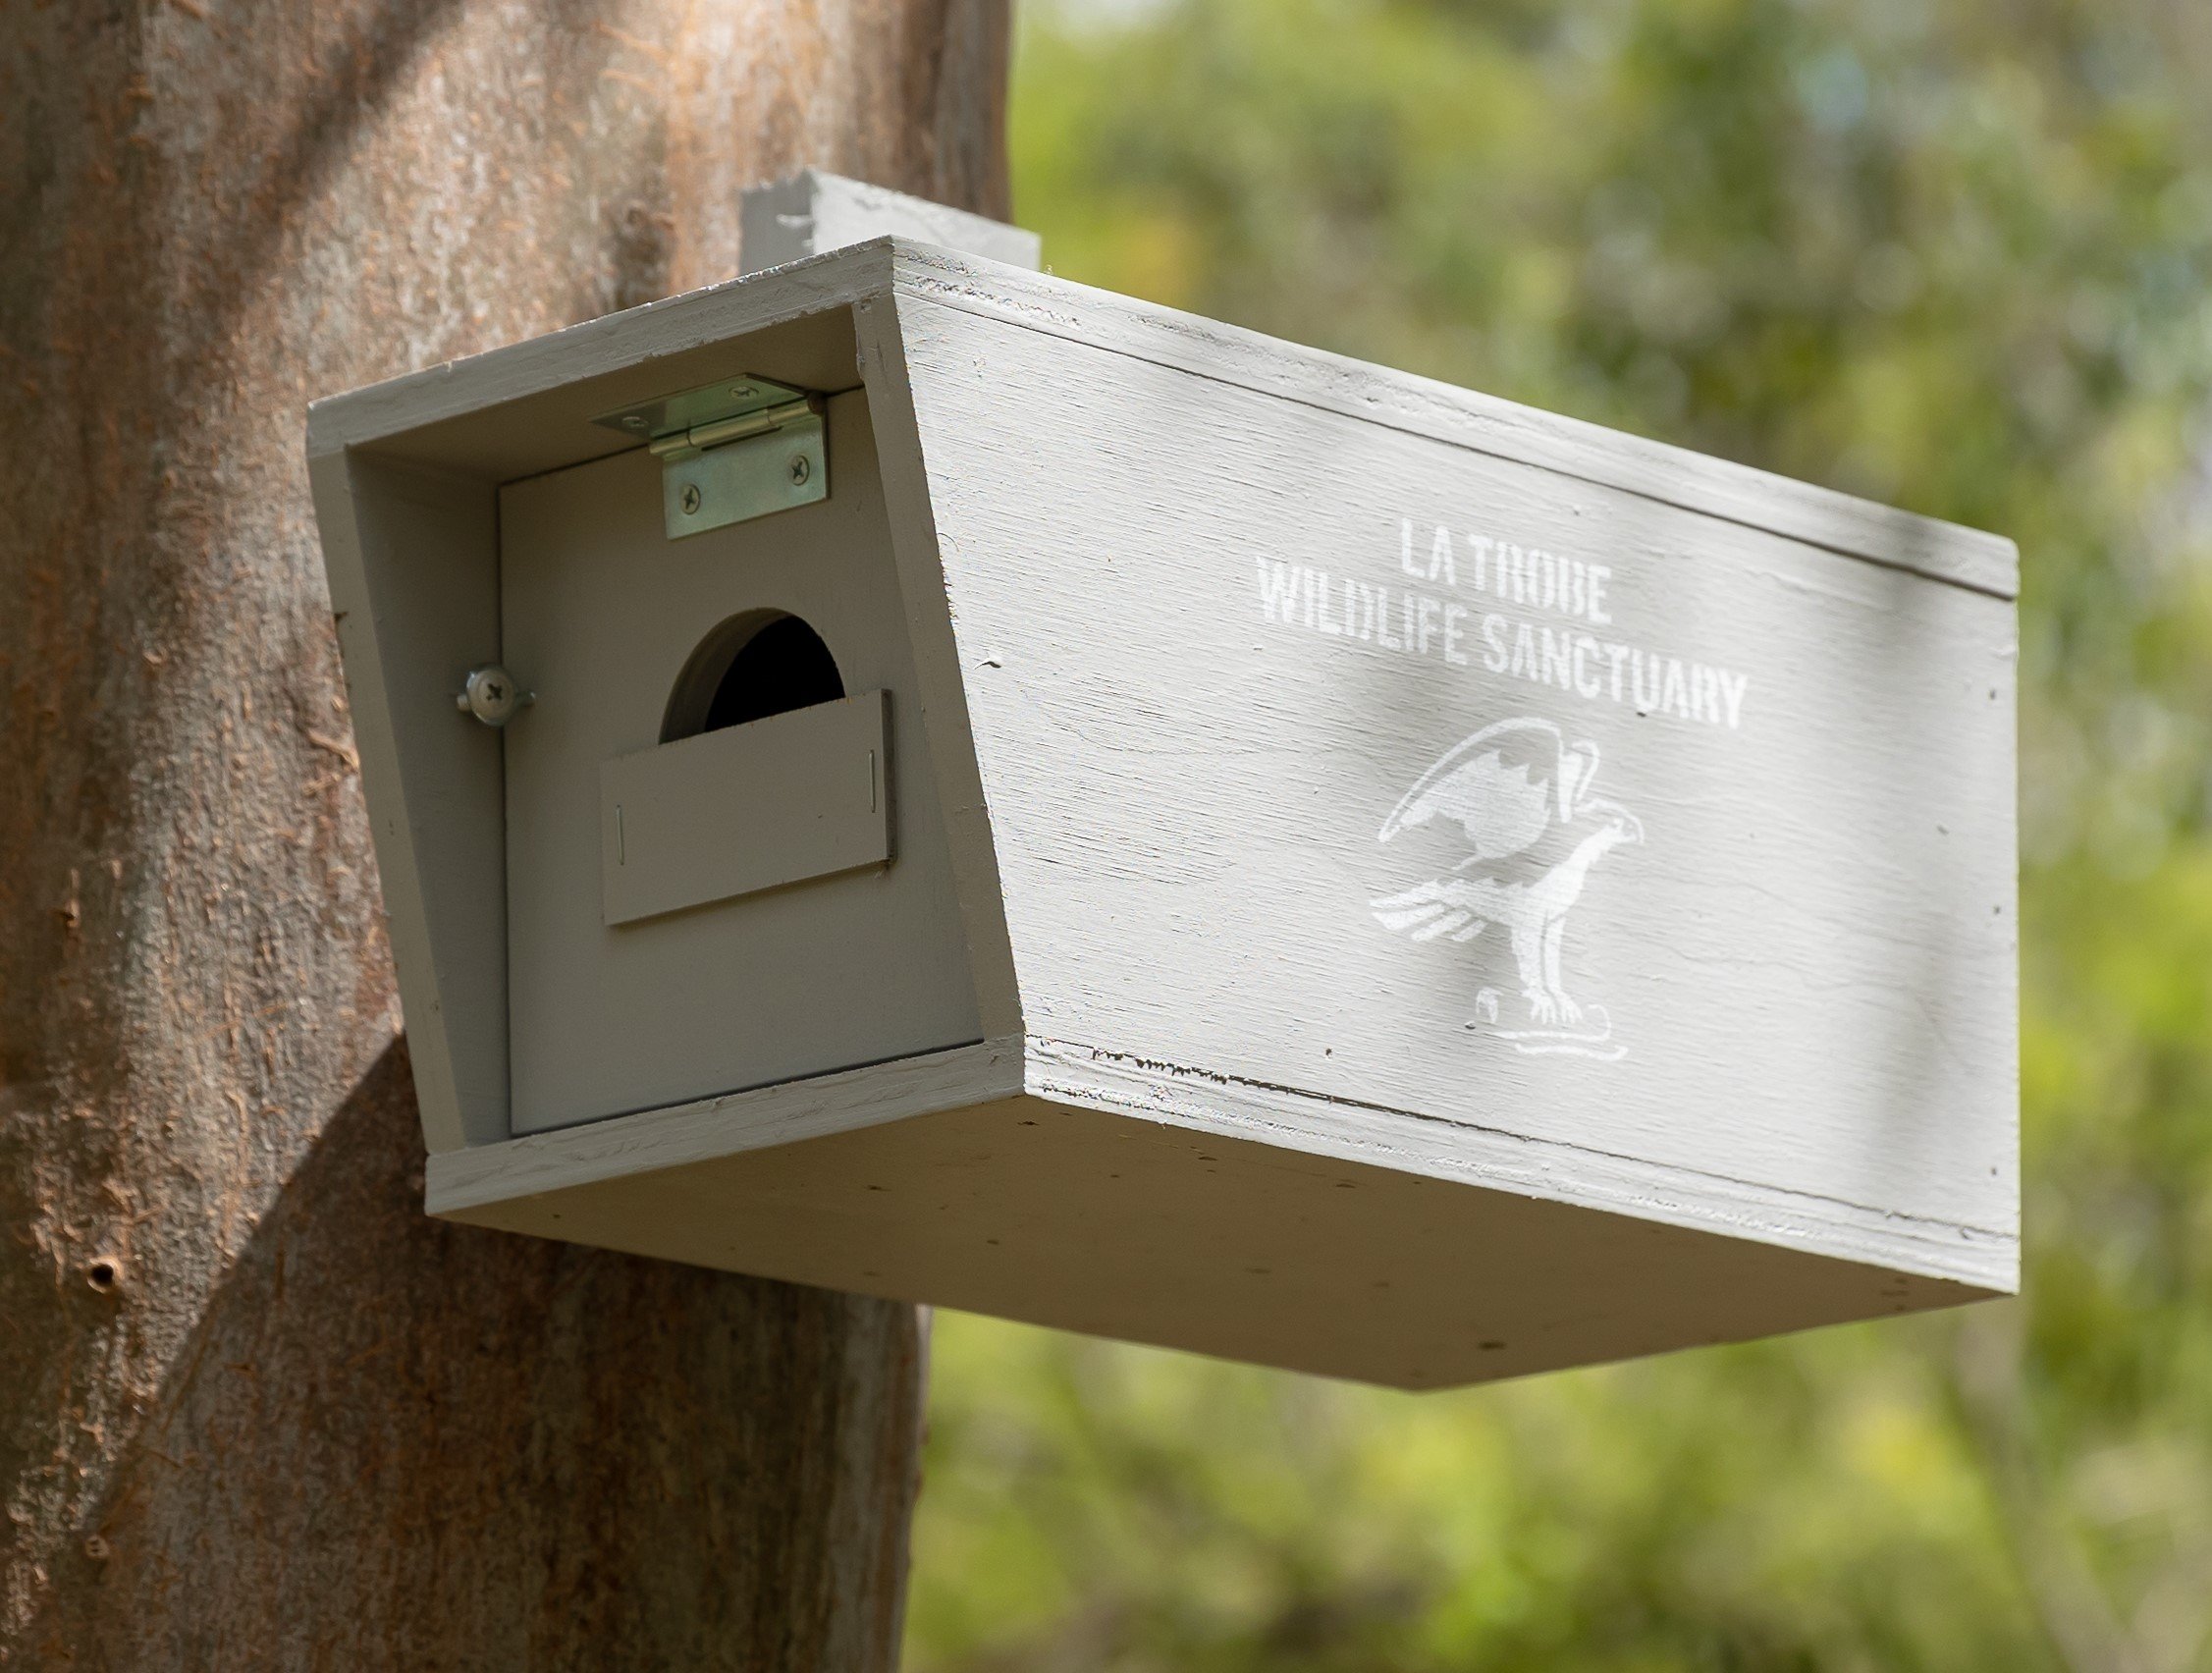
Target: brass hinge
column 732, row 451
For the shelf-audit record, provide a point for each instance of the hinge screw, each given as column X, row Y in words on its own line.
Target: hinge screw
column 690, row 499
column 801, row 469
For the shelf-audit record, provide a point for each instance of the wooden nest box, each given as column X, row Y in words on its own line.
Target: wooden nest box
column 904, row 774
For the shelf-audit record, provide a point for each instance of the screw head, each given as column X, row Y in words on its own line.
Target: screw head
column 492, row 696
column 801, row 469
column 690, row 499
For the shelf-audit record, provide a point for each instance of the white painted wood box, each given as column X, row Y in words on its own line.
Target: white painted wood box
column 1237, row 849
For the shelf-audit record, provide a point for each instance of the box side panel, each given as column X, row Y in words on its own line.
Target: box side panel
column 1140, row 1230
column 1206, row 1101
column 1424, row 406
column 937, row 667
column 413, row 563
column 1329, row 757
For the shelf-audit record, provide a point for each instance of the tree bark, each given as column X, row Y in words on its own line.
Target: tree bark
column 255, row 1409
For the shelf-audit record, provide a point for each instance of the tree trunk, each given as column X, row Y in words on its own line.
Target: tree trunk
column 255, row 1409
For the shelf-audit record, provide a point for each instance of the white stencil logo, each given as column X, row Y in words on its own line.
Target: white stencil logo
column 1520, row 792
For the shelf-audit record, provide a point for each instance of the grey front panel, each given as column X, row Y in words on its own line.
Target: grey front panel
column 600, row 612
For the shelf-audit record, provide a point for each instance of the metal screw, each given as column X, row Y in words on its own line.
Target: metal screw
column 743, row 391
column 634, row 422
column 801, row 469
column 492, row 696
column 690, row 499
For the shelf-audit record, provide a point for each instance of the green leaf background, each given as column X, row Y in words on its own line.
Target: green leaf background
column 1955, row 255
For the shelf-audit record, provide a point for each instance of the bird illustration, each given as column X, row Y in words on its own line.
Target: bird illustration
column 1520, row 793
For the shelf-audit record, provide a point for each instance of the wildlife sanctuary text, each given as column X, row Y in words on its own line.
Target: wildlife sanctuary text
column 1595, row 668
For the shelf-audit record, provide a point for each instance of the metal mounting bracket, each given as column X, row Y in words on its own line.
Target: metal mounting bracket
column 731, row 451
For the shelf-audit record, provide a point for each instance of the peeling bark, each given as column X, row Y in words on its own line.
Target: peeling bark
column 255, row 1409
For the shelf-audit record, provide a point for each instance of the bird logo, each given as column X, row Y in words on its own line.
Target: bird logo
column 1520, row 794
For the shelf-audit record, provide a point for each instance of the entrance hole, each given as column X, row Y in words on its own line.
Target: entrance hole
column 762, row 662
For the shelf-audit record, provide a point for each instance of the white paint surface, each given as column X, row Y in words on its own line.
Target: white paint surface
column 1808, row 959
column 1336, row 907
column 815, row 213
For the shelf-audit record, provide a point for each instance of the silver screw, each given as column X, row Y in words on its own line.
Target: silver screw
column 801, row 469
column 690, row 499
column 635, row 421
column 492, row 696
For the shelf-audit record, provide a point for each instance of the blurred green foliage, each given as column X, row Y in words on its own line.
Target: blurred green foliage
column 1956, row 255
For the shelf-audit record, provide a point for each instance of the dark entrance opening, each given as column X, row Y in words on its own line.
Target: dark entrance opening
column 762, row 662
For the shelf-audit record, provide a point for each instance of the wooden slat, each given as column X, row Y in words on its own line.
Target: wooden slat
column 1402, row 401
column 729, row 813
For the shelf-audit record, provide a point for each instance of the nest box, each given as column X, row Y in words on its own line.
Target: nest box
column 906, row 774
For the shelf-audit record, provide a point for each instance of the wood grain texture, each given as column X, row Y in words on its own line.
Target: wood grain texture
column 1804, row 961
column 1670, row 475
column 1146, row 1226
column 940, row 688
column 708, row 1130
column 1198, row 627
column 255, row 1410
column 526, row 407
